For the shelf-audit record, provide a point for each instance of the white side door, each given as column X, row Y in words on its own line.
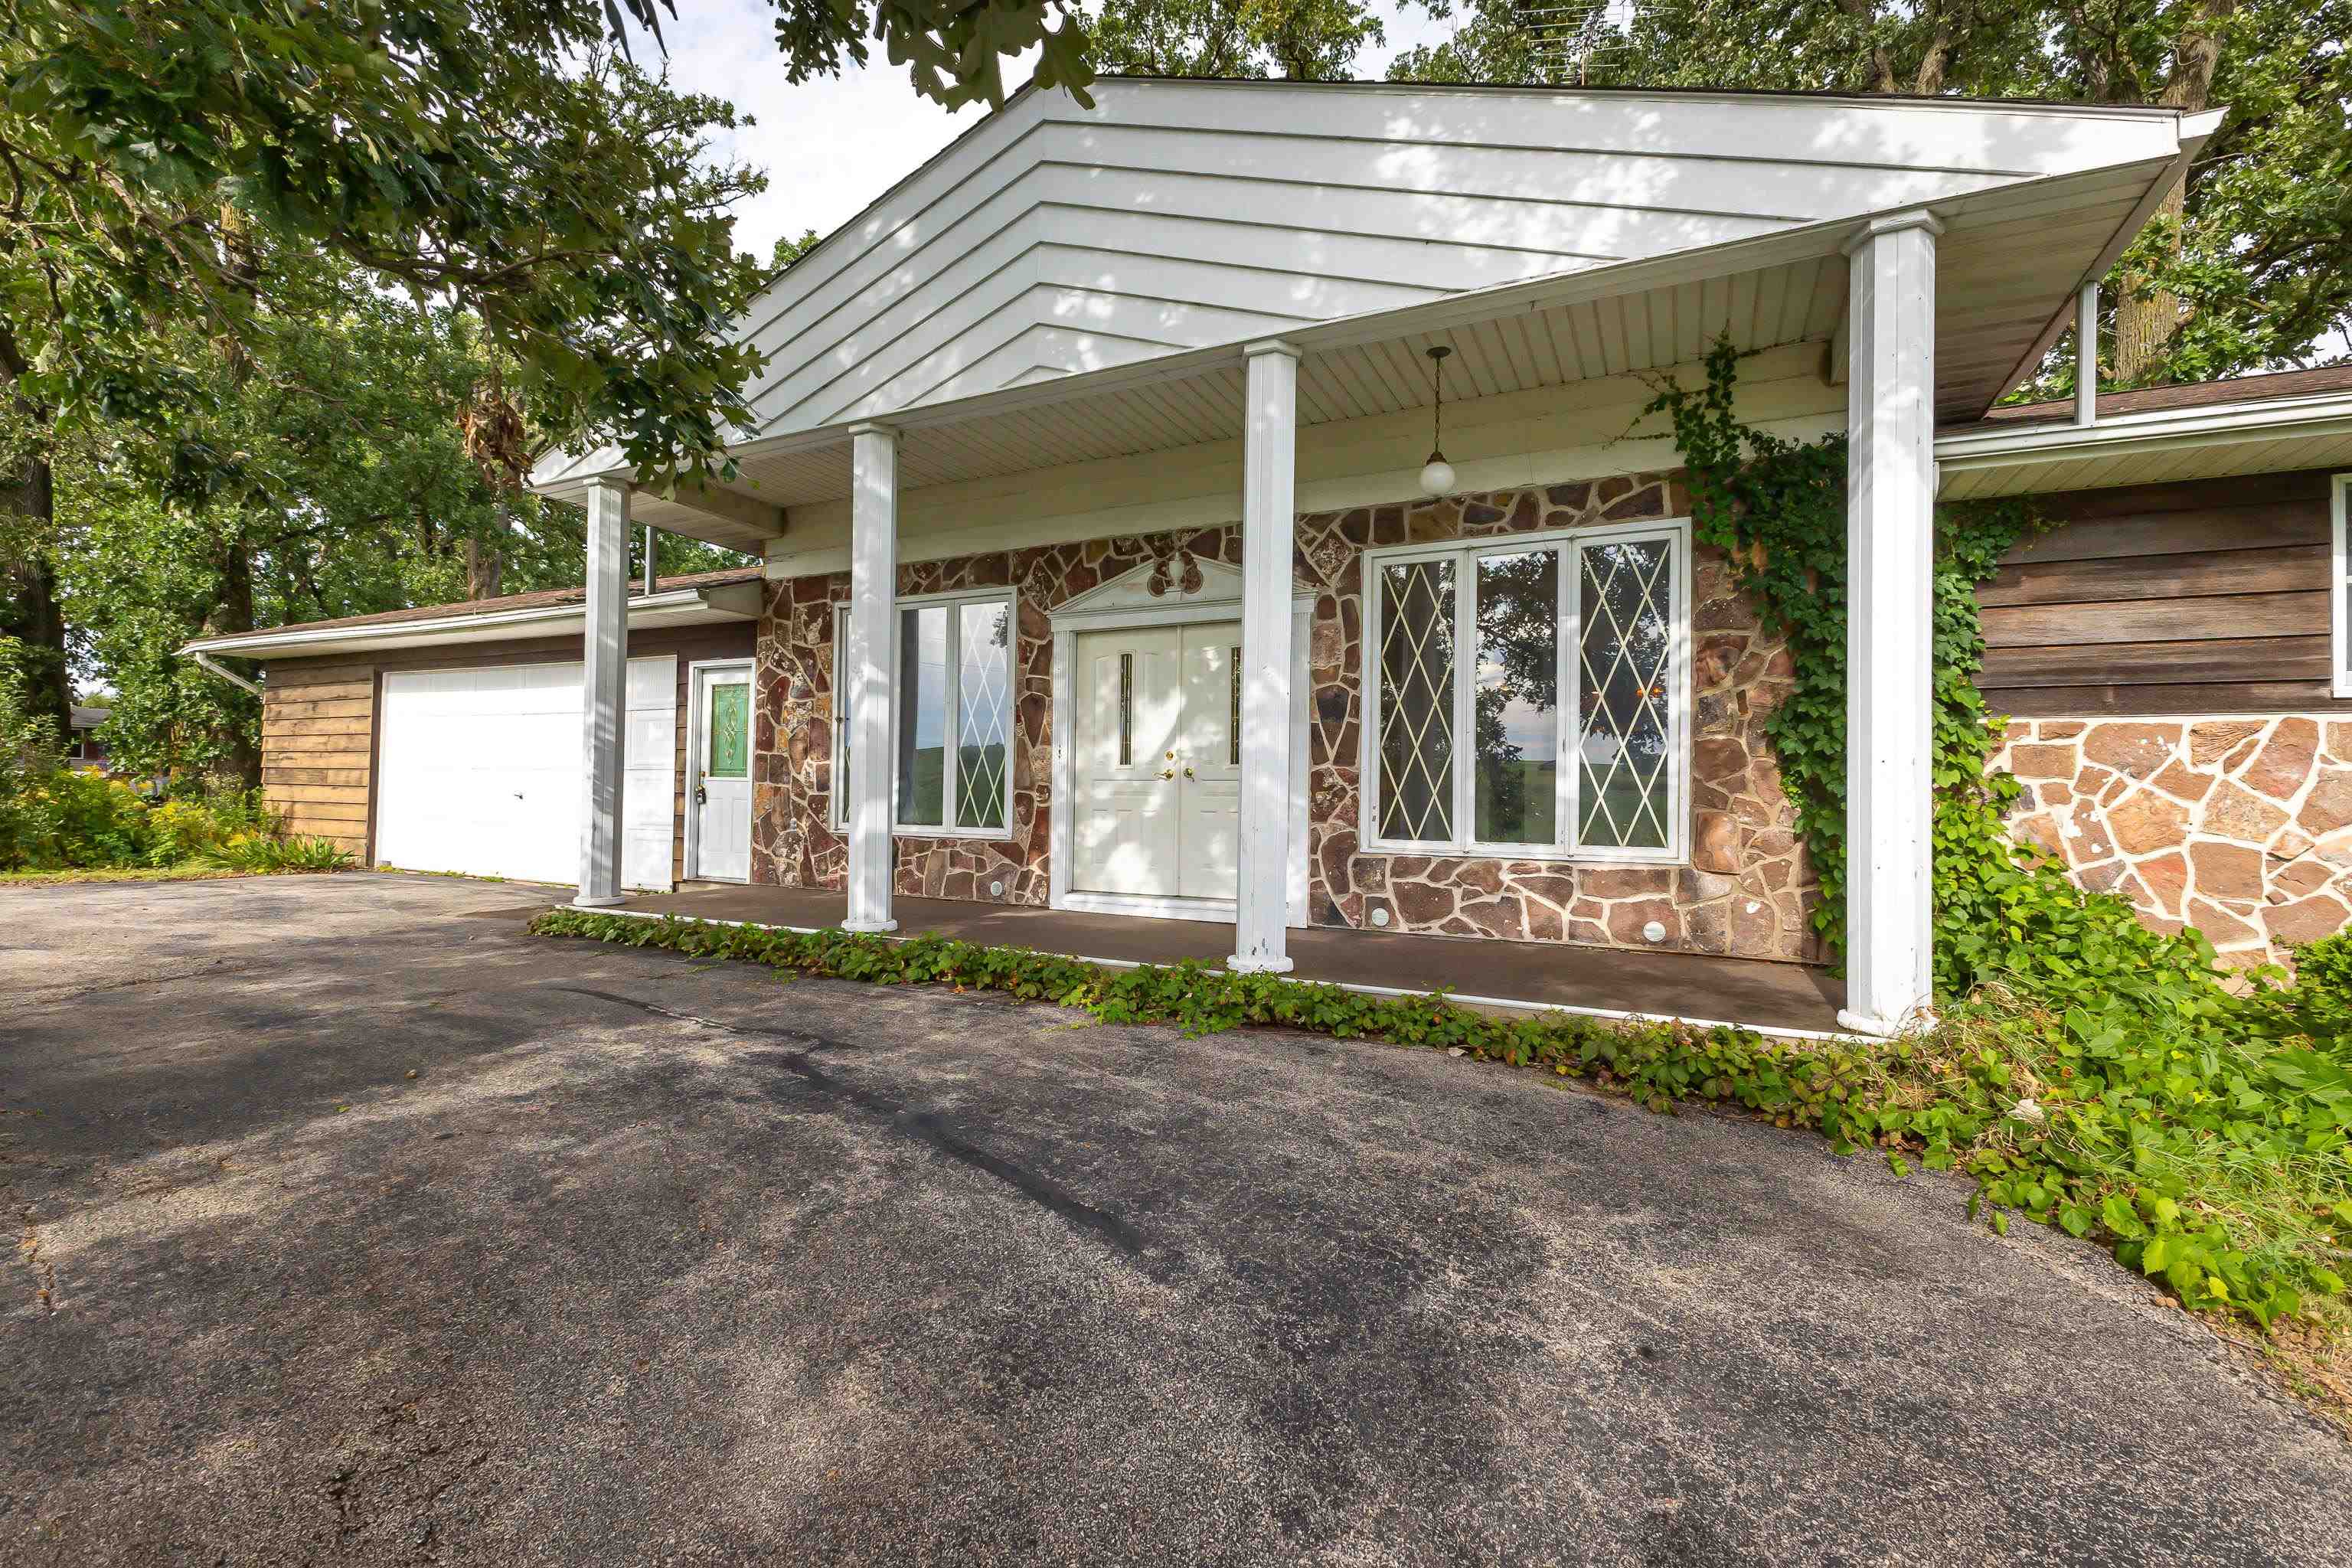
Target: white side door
column 1209, row 764
column 1124, row 815
column 718, row 774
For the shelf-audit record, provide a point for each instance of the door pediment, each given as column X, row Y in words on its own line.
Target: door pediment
column 1173, row 582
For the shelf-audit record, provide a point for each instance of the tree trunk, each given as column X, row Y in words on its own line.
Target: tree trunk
column 484, row 567
column 233, row 611
column 2147, row 317
column 31, row 611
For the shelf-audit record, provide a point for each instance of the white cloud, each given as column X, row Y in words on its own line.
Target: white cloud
column 832, row 146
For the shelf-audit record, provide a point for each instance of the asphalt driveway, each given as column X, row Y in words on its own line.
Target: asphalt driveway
column 656, row 1261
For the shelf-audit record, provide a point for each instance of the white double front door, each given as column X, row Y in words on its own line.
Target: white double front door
column 1157, row 799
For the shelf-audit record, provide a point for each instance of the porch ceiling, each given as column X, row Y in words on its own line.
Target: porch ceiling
column 2007, row 266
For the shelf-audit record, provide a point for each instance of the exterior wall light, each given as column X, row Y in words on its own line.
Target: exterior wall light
column 1437, row 474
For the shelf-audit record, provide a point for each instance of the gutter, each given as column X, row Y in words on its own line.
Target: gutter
column 2217, row 425
column 731, row 601
column 210, row 665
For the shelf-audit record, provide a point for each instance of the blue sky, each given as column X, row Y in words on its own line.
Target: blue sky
column 831, row 146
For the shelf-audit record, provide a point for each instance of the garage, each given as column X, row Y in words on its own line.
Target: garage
column 447, row 737
column 479, row 772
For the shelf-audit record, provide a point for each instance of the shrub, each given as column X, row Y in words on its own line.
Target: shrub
column 249, row 851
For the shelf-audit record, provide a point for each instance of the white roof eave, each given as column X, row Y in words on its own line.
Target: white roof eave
column 706, row 605
column 2220, row 424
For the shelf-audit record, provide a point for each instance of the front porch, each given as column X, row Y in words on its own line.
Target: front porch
column 1777, row 998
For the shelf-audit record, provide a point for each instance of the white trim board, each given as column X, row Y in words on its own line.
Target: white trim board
column 2339, row 502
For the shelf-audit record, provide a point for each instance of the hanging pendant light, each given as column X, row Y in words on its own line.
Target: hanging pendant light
column 1437, row 474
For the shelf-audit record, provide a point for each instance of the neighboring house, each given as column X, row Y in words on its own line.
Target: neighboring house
column 1089, row 479
column 84, row 750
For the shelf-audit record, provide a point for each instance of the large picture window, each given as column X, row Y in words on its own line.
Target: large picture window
column 1526, row 695
column 952, row 772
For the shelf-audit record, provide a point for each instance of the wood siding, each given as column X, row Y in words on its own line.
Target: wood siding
column 319, row 737
column 2206, row 596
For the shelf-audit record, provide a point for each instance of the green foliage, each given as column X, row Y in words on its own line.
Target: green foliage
column 1777, row 509
column 2090, row 1073
column 58, row 819
column 248, row 853
column 1304, row 40
column 2223, row 1172
column 165, row 158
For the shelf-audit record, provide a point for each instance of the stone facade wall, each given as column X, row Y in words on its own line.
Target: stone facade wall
column 1749, row 890
column 2241, row 827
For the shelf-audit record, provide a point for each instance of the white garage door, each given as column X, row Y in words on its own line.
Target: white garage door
column 479, row 772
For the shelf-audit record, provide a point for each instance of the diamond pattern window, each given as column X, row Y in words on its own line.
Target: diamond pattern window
column 955, row 713
column 955, row 770
column 1526, row 695
column 1417, row 717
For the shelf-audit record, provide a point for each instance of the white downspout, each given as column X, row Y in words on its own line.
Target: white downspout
column 211, row 666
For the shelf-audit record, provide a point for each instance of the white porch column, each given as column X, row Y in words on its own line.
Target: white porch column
column 870, row 667
column 603, row 693
column 1269, row 520
column 1891, row 547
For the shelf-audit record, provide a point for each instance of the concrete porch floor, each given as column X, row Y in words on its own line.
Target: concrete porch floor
column 1781, row 997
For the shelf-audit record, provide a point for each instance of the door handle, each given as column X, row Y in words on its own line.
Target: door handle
column 701, row 796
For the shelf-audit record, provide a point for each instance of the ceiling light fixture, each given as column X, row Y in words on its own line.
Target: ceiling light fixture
column 1437, row 474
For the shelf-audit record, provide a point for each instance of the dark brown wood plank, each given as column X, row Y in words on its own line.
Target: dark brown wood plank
column 2302, row 568
column 2224, row 659
column 2196, row 619
column 2233, row 697
column 2202, row 531
column 2188, row 495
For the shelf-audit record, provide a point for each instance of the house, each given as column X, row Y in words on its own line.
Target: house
column 84, row 751
column 1112, row 569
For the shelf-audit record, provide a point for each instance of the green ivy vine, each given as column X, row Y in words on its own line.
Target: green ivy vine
column 1776, row 510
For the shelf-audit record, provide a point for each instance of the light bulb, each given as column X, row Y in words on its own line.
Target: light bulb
column 1437, row 476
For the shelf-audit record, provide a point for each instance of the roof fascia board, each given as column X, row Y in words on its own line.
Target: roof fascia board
column 675, row 607
column 2221, row 424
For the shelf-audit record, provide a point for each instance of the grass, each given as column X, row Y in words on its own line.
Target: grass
column 185, row 873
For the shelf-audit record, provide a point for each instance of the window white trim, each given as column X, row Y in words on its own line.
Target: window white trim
column 2340, row 574
column 836, row 804
column 1571, row 543
column 950, row 742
